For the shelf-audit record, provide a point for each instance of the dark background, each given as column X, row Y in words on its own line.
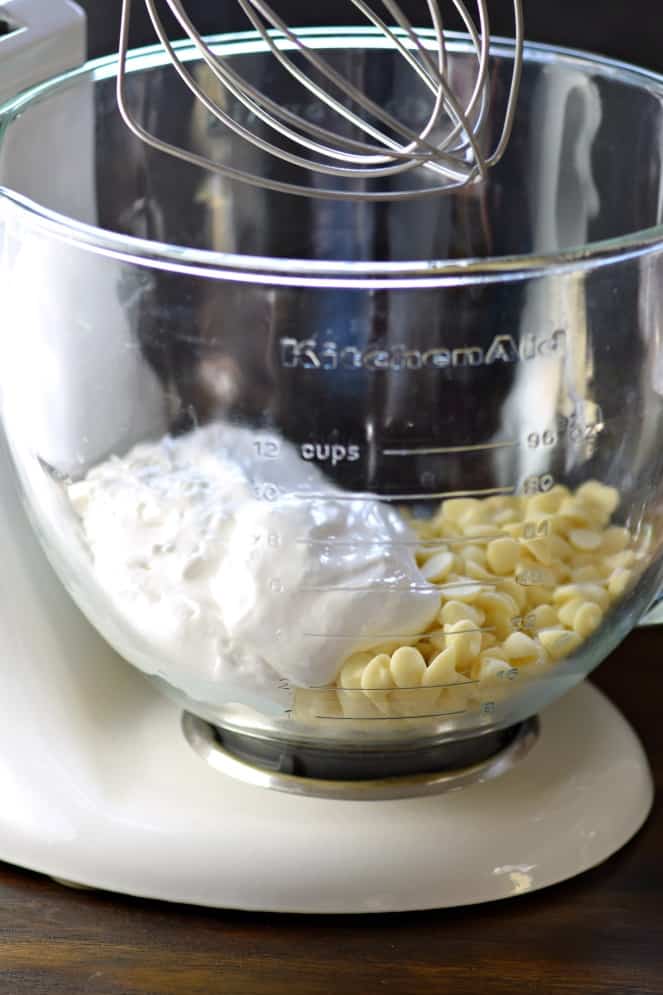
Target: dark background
column 626, row 29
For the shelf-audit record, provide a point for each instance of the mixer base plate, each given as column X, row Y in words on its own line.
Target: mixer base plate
column 426, row 770
column 123, row 803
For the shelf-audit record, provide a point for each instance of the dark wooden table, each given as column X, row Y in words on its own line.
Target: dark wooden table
column 602, row 932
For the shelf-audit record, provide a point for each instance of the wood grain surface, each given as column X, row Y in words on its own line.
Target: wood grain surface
column 600, row 933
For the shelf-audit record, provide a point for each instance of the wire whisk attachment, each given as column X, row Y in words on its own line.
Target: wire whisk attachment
column 351, row 141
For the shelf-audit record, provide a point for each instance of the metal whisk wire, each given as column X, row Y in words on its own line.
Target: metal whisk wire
column 388, row 146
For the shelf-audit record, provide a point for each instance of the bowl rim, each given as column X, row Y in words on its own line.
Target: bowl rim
column 314, row 273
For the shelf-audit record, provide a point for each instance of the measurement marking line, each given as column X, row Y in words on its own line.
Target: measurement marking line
column 459, row 541
column 456, row 684
column 414, row 589
column 375, row 589
column 389, row 718
column 448, row 450
column 415, row 687
column 437, row 633
column 430, row 496
column 410, row 543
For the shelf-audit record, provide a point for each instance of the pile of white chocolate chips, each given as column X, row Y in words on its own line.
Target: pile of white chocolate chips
column 523, row 581
column 347, row 606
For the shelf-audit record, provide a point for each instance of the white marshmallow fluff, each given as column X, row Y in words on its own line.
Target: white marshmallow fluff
column 236, row 574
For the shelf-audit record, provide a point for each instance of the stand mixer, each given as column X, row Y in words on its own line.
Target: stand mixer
column 374, row 356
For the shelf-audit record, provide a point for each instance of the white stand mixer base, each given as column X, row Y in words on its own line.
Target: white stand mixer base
column 159, row 823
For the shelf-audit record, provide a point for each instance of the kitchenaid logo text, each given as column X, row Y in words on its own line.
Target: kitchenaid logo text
column 308, row 354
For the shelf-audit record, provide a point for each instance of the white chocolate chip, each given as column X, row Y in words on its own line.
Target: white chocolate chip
column 461, row 588
column 474, row 554
column 503, row 555
column 424, row 553
column 491, row 668
column 356, row 706
column 559, row 643
column 455, row 509
column 551, row 574
column 515, row 590
column 585, row 540
column 377, row 673
column 573, row 514
column 505, row 517
column 521, row 649
column 569, row 610
column 481, row 531
column 465, row 639
column 587, row 619
column 456, row 611
column 544, row 504
column 584, row 591
column 596, row 493
column 541, row 550
column 497, row 601
column 615, row 539
column 620, row 581
column 376, row 681
column 587, row 575
column 407, row 667
column 476, row 572
column 559, row 547
column 494, row 653
column 442, row 669
column 352, row 670
column 544, row 617
column 625, row 559
column 438, row 567
column 596, row 593
column 537, row 596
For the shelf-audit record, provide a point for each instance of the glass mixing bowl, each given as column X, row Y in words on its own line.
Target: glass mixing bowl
column 399, row 469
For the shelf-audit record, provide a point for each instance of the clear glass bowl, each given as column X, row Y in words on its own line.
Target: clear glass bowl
column 309, row 380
